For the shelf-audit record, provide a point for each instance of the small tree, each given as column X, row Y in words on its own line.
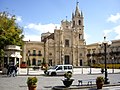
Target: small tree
column 10, row 32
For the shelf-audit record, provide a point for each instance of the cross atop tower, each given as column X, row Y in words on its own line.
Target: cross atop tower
column 77, row 2
column 66, row 18
column 77, row 13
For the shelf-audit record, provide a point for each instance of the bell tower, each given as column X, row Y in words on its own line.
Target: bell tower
column 78, row 41
column 77, row 23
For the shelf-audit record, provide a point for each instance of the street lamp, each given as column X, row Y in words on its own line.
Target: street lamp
column 90, row 64
column 113, row 58
column 28, row 63
column 105, row 44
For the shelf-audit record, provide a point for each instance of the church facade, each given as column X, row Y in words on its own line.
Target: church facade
column 65, row 46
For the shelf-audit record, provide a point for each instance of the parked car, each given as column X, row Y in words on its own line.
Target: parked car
column 59, row 70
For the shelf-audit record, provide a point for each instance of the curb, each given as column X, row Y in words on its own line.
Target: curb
column 81, row 87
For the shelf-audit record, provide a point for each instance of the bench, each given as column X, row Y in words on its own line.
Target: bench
column 88, row 81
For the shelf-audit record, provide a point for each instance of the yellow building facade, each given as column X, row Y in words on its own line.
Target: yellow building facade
column 96, row 57
column 33, row 52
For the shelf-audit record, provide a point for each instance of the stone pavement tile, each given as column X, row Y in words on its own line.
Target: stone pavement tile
column 12, row 83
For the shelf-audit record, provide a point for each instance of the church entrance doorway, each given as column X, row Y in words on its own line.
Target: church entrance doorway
column 67, row 59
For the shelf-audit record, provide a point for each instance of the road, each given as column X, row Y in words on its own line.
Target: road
column 75, row 71
column 47, row 82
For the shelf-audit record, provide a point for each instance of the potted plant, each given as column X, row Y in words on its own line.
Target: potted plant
column 32, row 83
column 99, row 82
column 67, row 81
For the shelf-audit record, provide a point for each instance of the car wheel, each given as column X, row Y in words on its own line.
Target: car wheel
column 53, row 74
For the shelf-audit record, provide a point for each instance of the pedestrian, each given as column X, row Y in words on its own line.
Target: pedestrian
column 8, row 70
column 102, row 70
column 14, row 70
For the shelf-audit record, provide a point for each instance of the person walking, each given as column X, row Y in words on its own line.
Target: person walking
column 14, row 70
column 9, row 71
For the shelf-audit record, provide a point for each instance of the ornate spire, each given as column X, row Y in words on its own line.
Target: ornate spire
column 66, row 18
column 72, row 15
column 81, row 14
column 77, row 13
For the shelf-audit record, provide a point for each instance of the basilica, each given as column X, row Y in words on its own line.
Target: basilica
column 65, row 46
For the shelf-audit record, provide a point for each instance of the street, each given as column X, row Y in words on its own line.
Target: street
column 75, row 71
column 47, row 82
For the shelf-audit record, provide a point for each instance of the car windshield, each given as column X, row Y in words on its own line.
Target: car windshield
column 54, row 67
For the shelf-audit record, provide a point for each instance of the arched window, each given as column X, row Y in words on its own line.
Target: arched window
column 39, row 53
column 79, row 22
column 34, row 52
column 73, row 23
column 80, row 36
column 66, row 43
column 33, row 61
column 28, row 51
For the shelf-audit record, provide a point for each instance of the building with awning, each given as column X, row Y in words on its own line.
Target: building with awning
column 12, row 55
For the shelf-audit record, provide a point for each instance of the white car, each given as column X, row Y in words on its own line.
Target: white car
column 59, row 70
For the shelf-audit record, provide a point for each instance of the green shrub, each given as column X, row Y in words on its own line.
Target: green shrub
column 100, row 79
column 68, row 75
column 32, row 81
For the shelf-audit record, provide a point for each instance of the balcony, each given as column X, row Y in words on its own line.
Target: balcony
column 35, row 54
column 88, row 55
column 39, row 54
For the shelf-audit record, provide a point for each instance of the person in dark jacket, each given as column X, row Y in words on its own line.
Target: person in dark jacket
column 102, row 70
column 9, row 71
column 14, row 70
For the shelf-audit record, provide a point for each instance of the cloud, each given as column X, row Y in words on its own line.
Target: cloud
column 39, row 28
column 18, row 19
column 117, row 31
column 107, row 32
column 42, row 27
column 32, row 38
column 113, row 31
column 114, row 18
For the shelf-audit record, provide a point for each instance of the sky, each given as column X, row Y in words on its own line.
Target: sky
column 101, row 17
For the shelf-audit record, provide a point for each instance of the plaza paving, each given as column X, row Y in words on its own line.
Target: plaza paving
column 47, row 82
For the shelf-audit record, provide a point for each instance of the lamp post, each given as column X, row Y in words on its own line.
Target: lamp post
column 112, row 65
column 90, row 64
column 105, row 44
column 106, row 75
column 28, row 63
